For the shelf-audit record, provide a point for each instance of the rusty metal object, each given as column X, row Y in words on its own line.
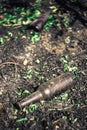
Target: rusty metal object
column 40, row 21
column 47, row 89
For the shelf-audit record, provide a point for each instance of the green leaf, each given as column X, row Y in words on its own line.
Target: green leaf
column 26, row 110
column 33, row 107
column 37, row 61
column 76, row 74
column 30, row 72
column 75, row 120
column 2, row 40
column 64, row 117
column 40, row 77
column 26, row 92
column 19, row 93
column 64, row 96
column 0, row 93
column 37, row 69
column 21, row 120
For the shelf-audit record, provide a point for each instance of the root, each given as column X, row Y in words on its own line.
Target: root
column 13, row 63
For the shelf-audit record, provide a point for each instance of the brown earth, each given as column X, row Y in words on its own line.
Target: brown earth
column 43, row 58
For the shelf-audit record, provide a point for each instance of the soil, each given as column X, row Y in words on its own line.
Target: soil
column 19, row 55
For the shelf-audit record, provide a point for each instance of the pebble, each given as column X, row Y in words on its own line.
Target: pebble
column 85, row 33
column 25, row 62
column 11, row 114
column 1, row 106
column 0, row 61
column 27, row 55
column 56, row 127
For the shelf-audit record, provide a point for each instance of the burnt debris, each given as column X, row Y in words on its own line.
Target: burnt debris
column 39, row 23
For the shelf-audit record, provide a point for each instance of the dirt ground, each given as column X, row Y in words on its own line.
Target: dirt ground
column 25, row 65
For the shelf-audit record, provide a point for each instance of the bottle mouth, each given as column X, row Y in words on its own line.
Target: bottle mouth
column 16, row 106
column 36, row 96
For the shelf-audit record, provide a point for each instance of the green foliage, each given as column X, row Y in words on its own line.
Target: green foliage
column 0, row 93
column 64, row 96
column 74, row 120
column 2, row 40
column 33, row 107
column 76, row 74
column 29, row 75
column 66, row 65
column 42, row 102
column 55, row 100
column 49, row 23
column 64, row 117
column 66, row 21
column 17, row 129
column 21, row 120
column 21, row 92
column 35, row 36
column 20, row 15
column 26, row 92
column 24, row 16
column 34, row 73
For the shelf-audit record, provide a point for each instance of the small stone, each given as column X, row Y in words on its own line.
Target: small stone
column 0, row 61
column 56, row 127
column 27, row 55
column 0, row 92
column 85, row 33
column 37, row 61
column 25, row 62
column 1, row 106
column 11, row 114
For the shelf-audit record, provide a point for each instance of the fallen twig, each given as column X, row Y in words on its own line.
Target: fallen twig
column 9, row 62
column 17, row 25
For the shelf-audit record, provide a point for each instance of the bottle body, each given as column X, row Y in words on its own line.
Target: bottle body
column 48, row 89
